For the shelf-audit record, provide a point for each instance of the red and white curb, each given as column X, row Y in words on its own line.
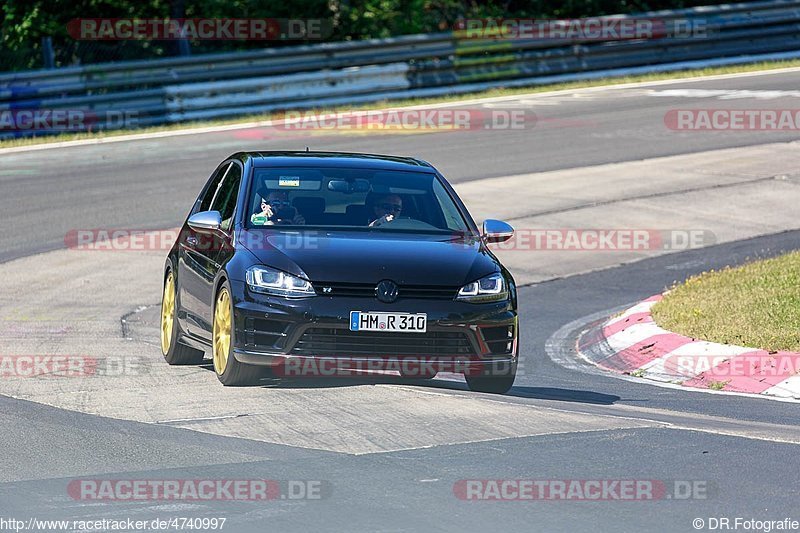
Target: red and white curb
column 633, row 344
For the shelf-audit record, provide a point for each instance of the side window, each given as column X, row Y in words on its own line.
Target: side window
column 213, row 186
column 225, row 202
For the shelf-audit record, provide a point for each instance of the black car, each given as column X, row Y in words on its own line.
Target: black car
column 291, row 259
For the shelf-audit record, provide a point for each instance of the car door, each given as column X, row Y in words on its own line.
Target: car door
column 197, row 265
column 225, row 203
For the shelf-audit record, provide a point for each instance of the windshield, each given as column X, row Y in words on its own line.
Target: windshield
column 345, row 198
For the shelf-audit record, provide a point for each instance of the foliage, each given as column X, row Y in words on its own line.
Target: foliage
column 26, row 22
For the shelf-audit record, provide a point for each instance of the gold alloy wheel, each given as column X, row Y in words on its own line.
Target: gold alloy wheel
column 167, row 314
column 222, row 331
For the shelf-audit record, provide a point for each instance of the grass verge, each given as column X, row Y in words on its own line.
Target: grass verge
column 500, row 91
column 755, row 305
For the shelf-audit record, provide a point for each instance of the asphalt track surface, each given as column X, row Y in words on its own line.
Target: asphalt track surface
column 104, row 185
column 742, row 448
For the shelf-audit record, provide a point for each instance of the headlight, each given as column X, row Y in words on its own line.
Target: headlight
column 270, row 281
column 489, row 289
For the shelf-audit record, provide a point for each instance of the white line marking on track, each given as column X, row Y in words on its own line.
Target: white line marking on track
column 724, row 94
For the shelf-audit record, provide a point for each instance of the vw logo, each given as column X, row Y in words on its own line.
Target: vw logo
column 386, row 291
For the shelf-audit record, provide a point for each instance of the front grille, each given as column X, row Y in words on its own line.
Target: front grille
column 343, row 342
column 367, row 290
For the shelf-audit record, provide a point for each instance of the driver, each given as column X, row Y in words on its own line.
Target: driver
column 276, row 209
column 386, row 209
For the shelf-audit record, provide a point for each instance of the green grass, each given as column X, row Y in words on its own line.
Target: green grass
column 755, row 305
column 768, row 65
column 717, row 385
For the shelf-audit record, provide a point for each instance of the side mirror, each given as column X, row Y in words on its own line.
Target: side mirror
column 496, row 231
column 205, row 221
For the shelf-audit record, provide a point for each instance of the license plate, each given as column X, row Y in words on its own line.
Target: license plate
column 403, row 322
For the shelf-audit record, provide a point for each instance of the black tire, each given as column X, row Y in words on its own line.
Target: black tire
column 495, row 380
column 235, row 374
column 177, row 353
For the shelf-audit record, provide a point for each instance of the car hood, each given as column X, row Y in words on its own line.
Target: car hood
column 369, row 257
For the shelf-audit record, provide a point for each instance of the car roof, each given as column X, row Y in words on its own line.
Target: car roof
column 272, row 158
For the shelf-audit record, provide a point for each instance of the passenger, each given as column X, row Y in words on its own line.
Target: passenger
column 386, row 209
column 276, row 209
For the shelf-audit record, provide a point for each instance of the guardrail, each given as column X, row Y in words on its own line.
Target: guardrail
column 222, row 85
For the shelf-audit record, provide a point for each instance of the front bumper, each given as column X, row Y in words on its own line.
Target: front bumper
column 274, row 331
